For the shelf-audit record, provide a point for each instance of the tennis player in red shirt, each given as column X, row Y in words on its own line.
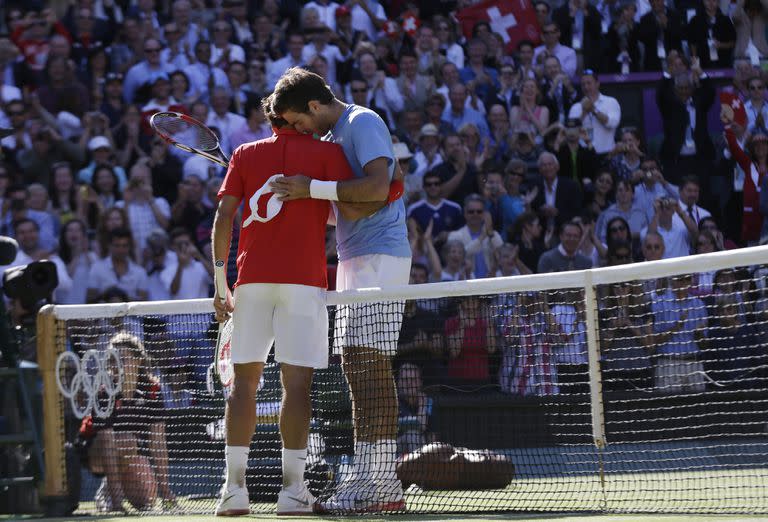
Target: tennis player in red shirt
column 279, row 296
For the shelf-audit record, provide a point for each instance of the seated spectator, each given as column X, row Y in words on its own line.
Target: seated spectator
column 619, row 253
column 498, row 147
column 524, row 148
column 66, row 198
column 17, row 197
column 626, row 208
column 458, row 112
column 203, row 75
column 653, row 185
column 749, row 20
column 600, row 195
column 626, row 156
column 101, row 194
column 702, row 281
column 731, row 355
column 190, row 212
column 470, row 339
column 508, row 262
column 565, row 256
column 600, row 115
column 756, row 105
column 409, row 127
column 455, row 265
column 477, row 149
column 558, row 199
column 479, row 78
column 191, row 275
column 530, row 333
column 478, row 236
column 507, row 91
column 570, row 350
column 653, row 246
column 75, row 252
column 101, row 150
column 678, row 235
column 155, row 259
column 27, row 234
column 503, row 207
column 679, row 326
column 128, row 449
column 47, row 148
column 626, row 337
column 559, row 91
column 551, row 46
column 434, row 114
column 577, row 156
column 414, row 410
column 446, row 216
column 118, row 270
column 581, row 28
column 145, row 211
column 622, row 50
column 220, row 117
column 421, row 339
column 527, row 235
column 62, row 92
column 383, row 93
column 530, row 115
column 109, row 220
column 690, row 189
column 416, row 88
column 254, row 128
column 589, row 245
column 143, row 70
column 459, row 176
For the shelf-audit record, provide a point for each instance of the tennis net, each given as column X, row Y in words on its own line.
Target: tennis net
column 639, row 388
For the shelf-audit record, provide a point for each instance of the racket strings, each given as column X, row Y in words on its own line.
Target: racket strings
column 187, row 133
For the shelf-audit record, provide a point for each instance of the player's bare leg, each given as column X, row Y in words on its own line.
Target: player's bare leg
column 240, row 418
column 295, row 413
column 374, row 485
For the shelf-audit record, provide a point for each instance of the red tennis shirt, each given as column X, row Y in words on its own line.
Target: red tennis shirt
column 282, row 244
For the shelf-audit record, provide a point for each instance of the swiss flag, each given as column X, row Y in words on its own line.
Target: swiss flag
column 732, row 105
column 514, row 20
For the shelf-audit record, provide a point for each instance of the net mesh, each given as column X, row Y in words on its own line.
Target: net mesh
column 192, row 134
column 632, row 394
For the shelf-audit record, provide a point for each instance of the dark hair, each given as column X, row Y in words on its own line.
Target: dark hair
column 526, row 218
column 115, row 188
column 120, row 233
column 181, row 73
column 693, row 180
column 407, row 53
column 268, row 108
column 23, row 221
column 431, row 174
column 114, row 292
column 523, row 43
column 608, row 239
column 178, row 232
column 420, row 266
column 704, row 220
column 296, row 88
column 571, row 224
column 619, row 245
column 65, row 251
column 54, row 191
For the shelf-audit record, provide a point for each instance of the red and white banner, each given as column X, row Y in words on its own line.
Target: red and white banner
column 514, row 20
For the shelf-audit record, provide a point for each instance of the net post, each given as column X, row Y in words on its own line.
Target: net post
column 48, row 348
column 593, row 354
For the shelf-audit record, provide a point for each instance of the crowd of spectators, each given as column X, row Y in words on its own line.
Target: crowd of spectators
column 515, row 160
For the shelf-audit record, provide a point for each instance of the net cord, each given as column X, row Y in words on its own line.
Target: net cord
column 490, row 286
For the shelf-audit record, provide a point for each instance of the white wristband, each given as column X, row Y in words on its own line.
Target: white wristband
column 220, row 279
column 323, row 190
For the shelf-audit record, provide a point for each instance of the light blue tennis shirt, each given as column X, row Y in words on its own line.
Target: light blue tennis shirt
column 364, row 137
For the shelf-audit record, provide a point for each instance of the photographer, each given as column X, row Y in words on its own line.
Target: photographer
column 651, row 186
column 677, row 236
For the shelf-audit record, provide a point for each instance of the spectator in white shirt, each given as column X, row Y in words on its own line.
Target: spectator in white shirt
column 552, row 47
column 318, row 44
column 222, row 51
column 202, row 75
column 117, row 269
column 369, row 17
column 145, row 211
column 27, row 233
column 190, row 32
column 326, row 11
column 652, row 186
column 294, row 58
column 600, row 114
column 191, row 275
column 139, row 73
column 690, row 189
column 220, row 117
column 677, row 235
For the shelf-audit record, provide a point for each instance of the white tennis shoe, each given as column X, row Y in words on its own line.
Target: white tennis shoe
column 233, row 503
column 295, row 500
column 366, row 496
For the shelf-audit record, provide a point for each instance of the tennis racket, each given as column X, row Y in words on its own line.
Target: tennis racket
column 223, row 360
column 189, row 135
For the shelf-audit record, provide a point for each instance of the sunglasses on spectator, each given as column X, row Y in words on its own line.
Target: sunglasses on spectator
column 617, row 228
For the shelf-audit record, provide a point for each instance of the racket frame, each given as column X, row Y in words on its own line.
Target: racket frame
column 220, row 160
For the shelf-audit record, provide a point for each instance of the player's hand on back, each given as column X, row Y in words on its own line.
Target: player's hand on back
column 288, row 188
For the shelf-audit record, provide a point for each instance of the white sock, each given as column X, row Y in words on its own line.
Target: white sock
column 236, row 458
column 362, row 467
column 294, row 462
column 385, row 456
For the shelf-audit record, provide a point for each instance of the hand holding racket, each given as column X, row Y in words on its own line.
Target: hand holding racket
column 189, row 135
column 222, row 303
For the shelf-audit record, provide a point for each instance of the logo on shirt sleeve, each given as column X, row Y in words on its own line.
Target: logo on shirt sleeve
column 273, row 204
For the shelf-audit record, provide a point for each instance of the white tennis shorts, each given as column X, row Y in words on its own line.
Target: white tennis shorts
column 370, row 325
column 294, row 317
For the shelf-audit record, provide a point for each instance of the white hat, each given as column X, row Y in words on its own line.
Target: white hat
column 430, row 129
column 99, row 142
column 69, row 125
column 401, row 151
column 196, row 166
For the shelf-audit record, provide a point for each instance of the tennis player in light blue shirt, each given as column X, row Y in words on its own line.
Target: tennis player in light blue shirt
column 373, row 252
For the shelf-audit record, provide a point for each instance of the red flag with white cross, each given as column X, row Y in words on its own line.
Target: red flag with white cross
column 514, row 20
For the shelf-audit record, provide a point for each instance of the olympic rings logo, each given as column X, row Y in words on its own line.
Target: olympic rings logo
column 92, row 383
